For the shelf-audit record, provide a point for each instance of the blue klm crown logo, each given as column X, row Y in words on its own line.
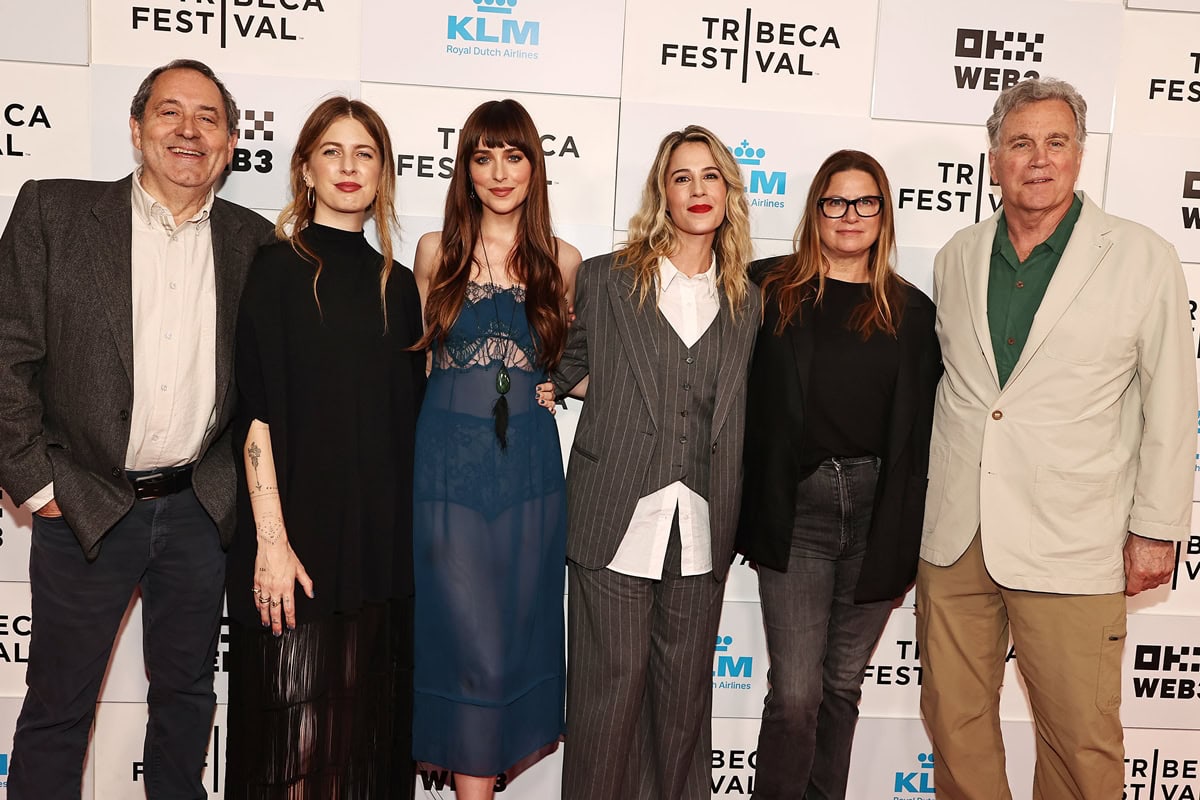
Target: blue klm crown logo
column 493, row 23
column 745, row 154
column 495, row 6
column 3, row 763
column 761, row 181
column 731, row 666
column 919, row 782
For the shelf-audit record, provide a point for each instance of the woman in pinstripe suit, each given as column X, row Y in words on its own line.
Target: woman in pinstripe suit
column 663, row 332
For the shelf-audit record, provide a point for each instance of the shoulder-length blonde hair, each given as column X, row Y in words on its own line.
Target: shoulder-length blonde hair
column 653, row 236
column 800, row 277
column 298, row 214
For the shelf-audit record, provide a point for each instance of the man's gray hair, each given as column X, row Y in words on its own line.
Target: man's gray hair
column 137, row 108
column 1031, row 91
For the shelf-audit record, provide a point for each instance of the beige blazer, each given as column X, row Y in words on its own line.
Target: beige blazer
column 1092, row 436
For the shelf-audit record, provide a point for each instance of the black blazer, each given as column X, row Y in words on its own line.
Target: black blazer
column 775, row 426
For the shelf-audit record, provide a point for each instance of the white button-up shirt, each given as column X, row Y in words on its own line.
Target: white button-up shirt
column 174, row 337
column 689, row 305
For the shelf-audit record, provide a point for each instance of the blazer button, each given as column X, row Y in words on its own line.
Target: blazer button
column 117, row 472
column 997, row 414
column 714, row 448
column 124, row 415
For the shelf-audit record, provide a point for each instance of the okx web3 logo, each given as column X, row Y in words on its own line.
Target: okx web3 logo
column 995, row 60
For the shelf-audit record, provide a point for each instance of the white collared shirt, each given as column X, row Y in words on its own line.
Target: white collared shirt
column 174, row 337
column 689, row 305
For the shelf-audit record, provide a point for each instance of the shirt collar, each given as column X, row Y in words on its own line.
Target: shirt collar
column 1056, row 241
column 668, row 272
column 150, row 211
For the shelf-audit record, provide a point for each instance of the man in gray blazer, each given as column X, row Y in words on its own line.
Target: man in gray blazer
column 1060, row 468
column 117, row 309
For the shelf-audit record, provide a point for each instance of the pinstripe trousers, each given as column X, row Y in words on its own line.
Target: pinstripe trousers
column 639, row 683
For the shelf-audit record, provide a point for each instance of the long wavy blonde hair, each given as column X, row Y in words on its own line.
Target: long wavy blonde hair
column 653, row 236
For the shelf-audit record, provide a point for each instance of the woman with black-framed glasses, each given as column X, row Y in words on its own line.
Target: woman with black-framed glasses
column 839, row 412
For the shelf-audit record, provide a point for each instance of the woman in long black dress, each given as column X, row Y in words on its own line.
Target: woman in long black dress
column 320, row 679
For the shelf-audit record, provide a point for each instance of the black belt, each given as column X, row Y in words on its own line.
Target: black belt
column 151, row 484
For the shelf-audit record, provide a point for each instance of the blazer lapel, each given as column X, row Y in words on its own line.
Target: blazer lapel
column 110, row 244
column 638, row 335
column 975, row 266
column 801, row 338
column 1085, row 250
column 731, row 359
column 229, row 269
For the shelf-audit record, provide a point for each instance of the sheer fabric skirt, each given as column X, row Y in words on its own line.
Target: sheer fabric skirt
column 323, row 712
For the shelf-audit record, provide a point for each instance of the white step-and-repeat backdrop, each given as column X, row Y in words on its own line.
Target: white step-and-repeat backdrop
column 783, row 82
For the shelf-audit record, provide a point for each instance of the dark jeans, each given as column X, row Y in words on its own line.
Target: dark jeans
column 818, row 639
column 170, row 549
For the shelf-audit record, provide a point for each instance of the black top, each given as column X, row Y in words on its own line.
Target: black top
column 341, row 398
column 781, row 376
column 851, row 381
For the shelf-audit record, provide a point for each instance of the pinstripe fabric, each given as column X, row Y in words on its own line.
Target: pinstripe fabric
column 639, row 713
column 639, row 682
column 615, row 343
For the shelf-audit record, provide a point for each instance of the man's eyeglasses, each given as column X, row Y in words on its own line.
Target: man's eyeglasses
column 836, row 207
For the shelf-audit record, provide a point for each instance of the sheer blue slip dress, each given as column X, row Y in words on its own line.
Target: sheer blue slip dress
column 489, row 542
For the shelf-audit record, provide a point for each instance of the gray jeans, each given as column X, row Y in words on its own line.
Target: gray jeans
column 818, row 639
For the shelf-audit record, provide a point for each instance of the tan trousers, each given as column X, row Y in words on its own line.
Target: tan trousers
column 1069, row 652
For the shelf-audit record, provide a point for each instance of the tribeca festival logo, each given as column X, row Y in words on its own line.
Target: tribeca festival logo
column 768, row 185
column 15, row 630
column 733, row 772
column 18, row 118
column 493, row 31
column 1012, row 51
column 956, row 188
column 1187, row 558
column 905, row 673
column 227, row 19
column 728, row 667
column 1178, row 90
column 1159, row 777
column 746, row 45
column 440, row 165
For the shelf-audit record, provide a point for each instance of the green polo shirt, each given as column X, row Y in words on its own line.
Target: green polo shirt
column 1016, row 288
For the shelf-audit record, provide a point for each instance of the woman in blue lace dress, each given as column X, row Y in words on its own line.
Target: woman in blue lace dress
column 490, row 504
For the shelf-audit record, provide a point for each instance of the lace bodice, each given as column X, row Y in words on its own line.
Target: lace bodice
column 491, row 329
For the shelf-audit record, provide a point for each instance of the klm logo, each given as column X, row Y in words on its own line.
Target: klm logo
column 731, row 666
column 919, row 782
column 761, row 181
column 3, row 763
column 493, row 23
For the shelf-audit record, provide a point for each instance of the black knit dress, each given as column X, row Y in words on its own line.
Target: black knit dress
column 324, row 711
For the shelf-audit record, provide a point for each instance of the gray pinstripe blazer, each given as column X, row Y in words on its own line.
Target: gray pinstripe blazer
column 613, row 342
column 66, row 350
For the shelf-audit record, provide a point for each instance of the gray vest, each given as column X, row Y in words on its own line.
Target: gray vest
column 687, row 394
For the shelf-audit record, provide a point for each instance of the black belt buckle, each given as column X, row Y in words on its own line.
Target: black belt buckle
column 160, row 483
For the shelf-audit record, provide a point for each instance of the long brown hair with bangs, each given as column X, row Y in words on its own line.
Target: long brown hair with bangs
column 298, row 214
column 653, row 236
column 800, row 277
column 533, row 261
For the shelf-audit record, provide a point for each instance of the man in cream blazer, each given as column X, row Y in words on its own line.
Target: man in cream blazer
column 1061, row 461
